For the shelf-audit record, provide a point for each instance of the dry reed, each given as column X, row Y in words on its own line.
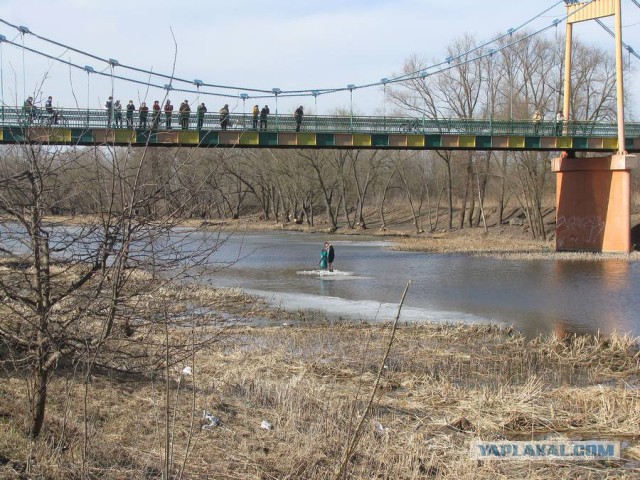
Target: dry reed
column 442, row 387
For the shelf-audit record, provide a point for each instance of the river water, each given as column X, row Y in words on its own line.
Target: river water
column 535, row 296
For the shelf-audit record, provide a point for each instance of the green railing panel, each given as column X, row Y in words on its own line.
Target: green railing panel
column 81, row 135
column 433, row 141
column 142, row 136
column 268, row 139
column 532, row 142
column 628, row 143
column 580, row 142
column 325, row 139
column 483, row 141
column 14, row 134
column 378, row 140
column 208, row 137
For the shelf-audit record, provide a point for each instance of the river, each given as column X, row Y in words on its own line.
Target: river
column 536, row 296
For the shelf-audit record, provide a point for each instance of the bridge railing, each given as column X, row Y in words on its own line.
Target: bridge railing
column 90, row 118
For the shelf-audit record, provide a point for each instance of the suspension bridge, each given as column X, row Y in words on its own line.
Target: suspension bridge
column 593, row 194
column 98, row 127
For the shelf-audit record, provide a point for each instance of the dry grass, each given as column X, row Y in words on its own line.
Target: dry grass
column 443, row 386
column 506, row 242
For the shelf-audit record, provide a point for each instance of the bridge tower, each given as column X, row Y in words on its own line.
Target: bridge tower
column 593, row 195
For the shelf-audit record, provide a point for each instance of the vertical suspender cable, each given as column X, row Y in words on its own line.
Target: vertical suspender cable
column 88, row 97
column 2, row 80
column 620, row 79
column 24, row 75
column 111, row 119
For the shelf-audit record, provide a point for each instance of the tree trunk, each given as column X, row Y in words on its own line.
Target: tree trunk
column 501, row 200
column 383, row 224
column 39, row 401
column 450, row 196
column 465, row 196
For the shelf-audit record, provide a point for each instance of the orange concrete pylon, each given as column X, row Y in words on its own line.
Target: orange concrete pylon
column 593, row 203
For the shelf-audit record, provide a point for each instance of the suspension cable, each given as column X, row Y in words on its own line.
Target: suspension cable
column 612, row 33
column 421, row 73
column 318, row 91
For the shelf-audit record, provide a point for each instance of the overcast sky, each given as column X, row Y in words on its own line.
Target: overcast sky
column 292, row 45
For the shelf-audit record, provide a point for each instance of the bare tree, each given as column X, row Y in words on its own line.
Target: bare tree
column 70, row 288
column 327, row 180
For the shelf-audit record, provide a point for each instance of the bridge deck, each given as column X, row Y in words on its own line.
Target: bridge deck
column 91, row 127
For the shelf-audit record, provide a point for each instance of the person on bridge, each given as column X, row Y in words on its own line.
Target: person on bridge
column 202, row 109
column 53, row 115
column 156, row 115
column 48, row 105
column 130, row 109
column 224, row 116
column 108, row 105
column 28, row 109
column 168, row 112
column 263, row 117
column 144, row 111
column 537, row 119
column 185, row 111
column 256, row 114
column 117, row 112
column 559, row 123
column 298, row 116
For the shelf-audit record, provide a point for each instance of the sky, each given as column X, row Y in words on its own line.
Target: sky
column 265, row 44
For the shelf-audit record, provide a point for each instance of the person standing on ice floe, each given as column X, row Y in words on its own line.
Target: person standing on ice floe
column 330, row 255
column 323, row 257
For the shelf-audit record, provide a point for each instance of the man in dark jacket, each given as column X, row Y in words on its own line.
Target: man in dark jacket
column 202, row 109
column 298, row 116
column 130, row 109
column 109, row 108
column 331, row 255
column 224, row 116
column 185, row 111
column 263, row 117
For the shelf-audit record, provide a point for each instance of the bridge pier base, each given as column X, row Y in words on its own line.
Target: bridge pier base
column 593, row 203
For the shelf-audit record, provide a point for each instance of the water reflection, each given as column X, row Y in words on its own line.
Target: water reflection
column 597, row 296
